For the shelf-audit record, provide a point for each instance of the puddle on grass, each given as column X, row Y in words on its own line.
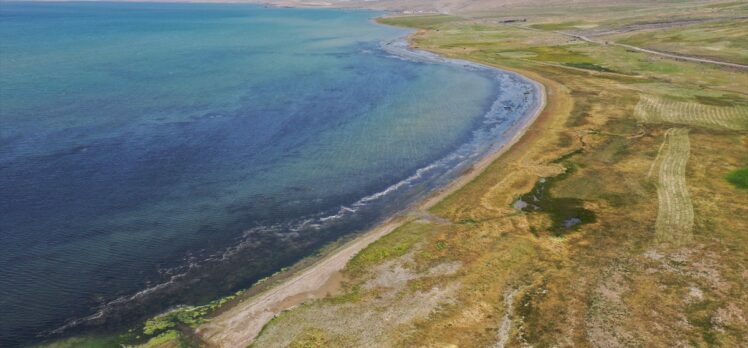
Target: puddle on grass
column 572, row 222
column 519, row 204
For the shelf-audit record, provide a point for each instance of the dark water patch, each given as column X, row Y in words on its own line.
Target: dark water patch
column 572, row 222
column 519, row 204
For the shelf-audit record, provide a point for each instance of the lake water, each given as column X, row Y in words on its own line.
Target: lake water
column 159, row 154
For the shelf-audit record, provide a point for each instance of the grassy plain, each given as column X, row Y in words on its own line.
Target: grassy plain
column 725, row 40
column 496, row 275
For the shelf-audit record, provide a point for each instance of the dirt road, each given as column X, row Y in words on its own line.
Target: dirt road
column 658, row 53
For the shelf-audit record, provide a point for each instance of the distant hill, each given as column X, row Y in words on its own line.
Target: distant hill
column 440, row 6
column 430, row 6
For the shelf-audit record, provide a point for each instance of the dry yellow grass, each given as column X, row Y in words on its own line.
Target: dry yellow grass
column 610, row 283
column 675, row 213
column 653, row 109
column 663, row 264
column 388, row 315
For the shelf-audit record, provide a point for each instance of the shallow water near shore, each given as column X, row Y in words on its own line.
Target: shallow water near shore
column 159, row 154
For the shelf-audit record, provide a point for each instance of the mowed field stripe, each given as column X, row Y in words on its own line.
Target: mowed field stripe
column 654, row 109
column 675, row 213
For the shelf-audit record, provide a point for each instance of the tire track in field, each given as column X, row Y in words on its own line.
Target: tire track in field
column 654, row 109
column 659, row 153
column 506, row 322
column 675, row 212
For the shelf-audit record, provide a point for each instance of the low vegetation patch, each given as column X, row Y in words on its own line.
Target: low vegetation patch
column 557, row 26
column 426, row 22
column 589, row 66
column 310, row 338
column 395, row 244
column 739, row 178
column 567, row 214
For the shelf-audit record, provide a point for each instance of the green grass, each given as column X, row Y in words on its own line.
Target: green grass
column 723, row 100
column 171, row 336
column 739, row 178
column 725, row 40
column 425, row 22
column 726, row 4
column 310, row 338
column 557, row 26
column 561, row 54
column 589, row 66
column 87, row 342
column 155, row 331
column 395, row 244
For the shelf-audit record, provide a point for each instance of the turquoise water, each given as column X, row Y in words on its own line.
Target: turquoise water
column 159, row 154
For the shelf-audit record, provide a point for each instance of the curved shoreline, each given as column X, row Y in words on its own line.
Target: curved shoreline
column 460, row 165
column 403, row 46
column 240, row 324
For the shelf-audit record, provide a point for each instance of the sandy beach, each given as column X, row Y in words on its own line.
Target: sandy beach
column 239, row 325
